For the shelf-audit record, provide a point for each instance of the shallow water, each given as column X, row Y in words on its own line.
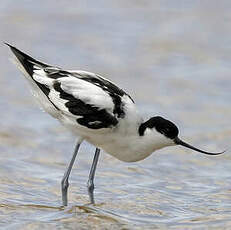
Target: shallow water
column 174, row 59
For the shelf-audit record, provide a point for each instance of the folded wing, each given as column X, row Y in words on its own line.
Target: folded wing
column 93, row 101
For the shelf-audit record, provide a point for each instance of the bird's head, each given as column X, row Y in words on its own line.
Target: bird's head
column 167, row 133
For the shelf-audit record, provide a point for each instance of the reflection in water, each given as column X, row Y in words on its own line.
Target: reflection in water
column 174, row 61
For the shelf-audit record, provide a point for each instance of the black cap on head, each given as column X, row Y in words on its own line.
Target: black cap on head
column 163, row 126
column 169, row 129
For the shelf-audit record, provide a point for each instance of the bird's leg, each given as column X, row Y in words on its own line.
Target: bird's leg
column 90, row 183
column 64, row 182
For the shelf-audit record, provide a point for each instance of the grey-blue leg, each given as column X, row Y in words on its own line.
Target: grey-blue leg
column 64, row 182
column 90, row 183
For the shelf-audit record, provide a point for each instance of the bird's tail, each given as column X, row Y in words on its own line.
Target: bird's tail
column 35, row 73
column 32, row 69
column 26, row 61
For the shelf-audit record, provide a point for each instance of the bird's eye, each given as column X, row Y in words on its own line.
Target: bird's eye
column 165, row 131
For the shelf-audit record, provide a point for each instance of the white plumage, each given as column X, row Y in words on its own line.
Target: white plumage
column 98, row 111
column 87, row 92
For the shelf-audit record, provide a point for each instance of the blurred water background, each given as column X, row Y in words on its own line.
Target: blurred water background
column 173, row 57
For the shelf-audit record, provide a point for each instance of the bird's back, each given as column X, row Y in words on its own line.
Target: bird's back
column 84, row 102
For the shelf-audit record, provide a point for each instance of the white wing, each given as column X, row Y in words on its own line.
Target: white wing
column 93, row 101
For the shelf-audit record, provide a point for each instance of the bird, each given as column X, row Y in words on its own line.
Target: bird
column 99, row 112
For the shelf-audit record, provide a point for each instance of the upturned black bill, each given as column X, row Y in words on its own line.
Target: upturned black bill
column 180, row 142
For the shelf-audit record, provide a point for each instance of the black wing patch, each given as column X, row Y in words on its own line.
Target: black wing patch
column 28, row 64
column 55, row 72
column 91, row 116
column 27, row 61
column 114, row 91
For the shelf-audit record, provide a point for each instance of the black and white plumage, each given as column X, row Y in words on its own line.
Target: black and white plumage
column 98, row 111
